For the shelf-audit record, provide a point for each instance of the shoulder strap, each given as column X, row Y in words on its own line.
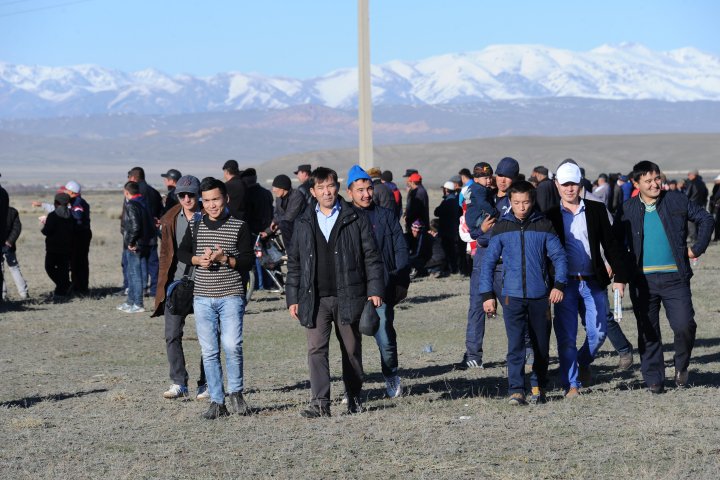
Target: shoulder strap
column 196, row 219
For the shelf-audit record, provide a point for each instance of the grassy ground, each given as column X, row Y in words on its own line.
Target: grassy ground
column 82, row 387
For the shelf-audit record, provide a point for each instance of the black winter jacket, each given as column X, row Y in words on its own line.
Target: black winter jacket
column 138, row 228
column 674, row 210
column 58, row 230
column 383, row 196
column 14, row 227
column 358, row 266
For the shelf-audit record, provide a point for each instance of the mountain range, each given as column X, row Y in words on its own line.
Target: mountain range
column 625, row 71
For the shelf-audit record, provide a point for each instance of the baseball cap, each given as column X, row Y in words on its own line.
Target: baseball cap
column 303, row 168
column 409, row 171
column 73, row 186
column 188, row 184
column 449, row 185
column 568, row 173
column 415, row 177
column 172, row 174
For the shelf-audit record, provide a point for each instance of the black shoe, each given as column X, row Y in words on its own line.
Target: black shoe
column 681, row 379
column 313, row 411
column 656, row 388
column 216, row 410
column 238, row 404
column 354, row 405
column 466, row 364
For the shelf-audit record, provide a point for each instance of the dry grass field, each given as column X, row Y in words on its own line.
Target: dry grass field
column 82, row 384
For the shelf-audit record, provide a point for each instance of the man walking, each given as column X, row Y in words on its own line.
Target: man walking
column 391, row 243
column 584, row 229
column 655, row 227
column 334, row 268
column 221, row 249
column 173, row 226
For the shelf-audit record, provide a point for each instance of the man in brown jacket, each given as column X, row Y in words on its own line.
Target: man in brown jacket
column 173, row 226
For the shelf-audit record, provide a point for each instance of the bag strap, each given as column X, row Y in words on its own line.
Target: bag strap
column 196, row 219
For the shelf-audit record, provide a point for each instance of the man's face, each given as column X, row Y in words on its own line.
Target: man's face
column 415, row 230
column 302, row 176
column 569, row 191
column 672, row 186
column 484, row 181
column 133, row 178
column 361, row 192
column 279, row 192
column 214, row 203
column 169, row 182
column 325, row 192
column 601, row 181
column 126, row 194
column 411, row 185
column 503, row 183
column 691, row 176
column 650, row 185
column 521, row 204
column 187, row 200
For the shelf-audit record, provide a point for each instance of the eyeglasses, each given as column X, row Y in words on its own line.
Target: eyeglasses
column 184, row 194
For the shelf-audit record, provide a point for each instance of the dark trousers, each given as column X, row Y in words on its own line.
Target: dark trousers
column 150, row 267
column 475, row 330
column 79, row 265
column 57, row 266
column 464, row 260
column 531, row 315
column 174, row 325
column 647, row 292
column 318, row 340
column 449, row 246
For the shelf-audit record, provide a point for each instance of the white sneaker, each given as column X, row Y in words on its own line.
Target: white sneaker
column 344, row 401
column 392, row 387
column 123, row 306
column 202, row 393
column 176, row 391
column 134, row 309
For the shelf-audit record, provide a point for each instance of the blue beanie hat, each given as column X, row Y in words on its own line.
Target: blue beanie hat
column 508, row 167
column 357, row 173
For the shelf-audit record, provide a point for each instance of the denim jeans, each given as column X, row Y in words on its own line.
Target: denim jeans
column 589, row 300
column 133, row 271
column 17, row 275
column 386, row 339
column 150, row 266
column 223, row 316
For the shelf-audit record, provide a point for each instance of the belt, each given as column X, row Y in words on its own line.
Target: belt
column 582, row 278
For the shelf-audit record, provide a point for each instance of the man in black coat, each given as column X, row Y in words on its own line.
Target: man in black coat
column 334, row 268
column 448, row 213
column 235, row 189
column 546, row 194
column 418, row 207
column 58, row 231
column 4, row 204
column 153, row 202
column 697, row 193
column 258, row 216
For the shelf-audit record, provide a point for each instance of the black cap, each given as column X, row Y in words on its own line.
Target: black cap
column 387, row 176
column 172, row 174
column 303, row 168
column 230, row 165
column 282, row 181
column 409, row 171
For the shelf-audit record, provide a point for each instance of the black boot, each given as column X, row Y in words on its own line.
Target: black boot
column 216, row 410
column 238, row 404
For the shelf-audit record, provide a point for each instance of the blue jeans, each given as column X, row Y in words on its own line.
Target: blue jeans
column 526, row 316
column 151, row 266
column 133, row 270
column 223, row 315
column 589, row 300
column 386, row 339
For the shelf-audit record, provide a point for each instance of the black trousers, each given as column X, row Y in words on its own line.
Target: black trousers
column 318, row 340
column 57, row 266
column 174, row 325
column 79, row 264
column 647, row 293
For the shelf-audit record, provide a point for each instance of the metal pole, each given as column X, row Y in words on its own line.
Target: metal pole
column 364, row 92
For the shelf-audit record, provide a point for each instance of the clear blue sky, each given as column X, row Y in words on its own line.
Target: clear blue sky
column 305, row 38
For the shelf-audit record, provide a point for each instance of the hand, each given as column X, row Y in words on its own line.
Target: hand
column 8, row 244
column 488, row 223
column 691, row 255
column 36, row 204
column 132, row 248
column 556, row 296
column 293, row 309
column 42, row 219
column 620, row 287
column 263, row 234
column 217, row 254
column 609, row 270
column 489, row 306
column 377, row 301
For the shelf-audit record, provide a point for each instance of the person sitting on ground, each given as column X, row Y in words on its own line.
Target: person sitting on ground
column 419, row 248
column 58, row 230
column 437, row 266
column 524, row 239
column 14, row 227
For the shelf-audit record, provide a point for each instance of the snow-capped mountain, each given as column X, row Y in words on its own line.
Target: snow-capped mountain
column 501, row 72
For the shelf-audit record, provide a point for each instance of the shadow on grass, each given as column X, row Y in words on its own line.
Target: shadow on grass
column 28, row 402
column 21, row 306
column 420, row 299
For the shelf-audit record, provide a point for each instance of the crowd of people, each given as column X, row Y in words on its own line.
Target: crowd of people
column 544, row 247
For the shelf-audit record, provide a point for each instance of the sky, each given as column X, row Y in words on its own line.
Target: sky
column 308, row 38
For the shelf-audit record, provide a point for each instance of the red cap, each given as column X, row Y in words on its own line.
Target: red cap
column 415, row 177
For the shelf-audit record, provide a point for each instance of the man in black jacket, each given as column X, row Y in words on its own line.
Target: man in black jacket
column 584, row 229
column 655, row 227
column 138, row 230
column 289, row 203
column 334, row 268
column 4, row 204
column 58, row 231
column 547, row 194
column 697, row 193
column 14, row 227
column 418, row 207
column 235, row 189
column 258, row 216
column 153, row 202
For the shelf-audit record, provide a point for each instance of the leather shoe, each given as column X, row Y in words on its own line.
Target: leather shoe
column 216, row 410
column 238, row 404
column 656, row 388
column 313, row 411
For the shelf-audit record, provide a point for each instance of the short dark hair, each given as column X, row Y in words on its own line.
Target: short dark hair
column 211, row 183
column 320, row 174
column 465, row 172
column 522, row 186
column 132, row 188
column 231, row 166
column 137, row 172
column 643, row 168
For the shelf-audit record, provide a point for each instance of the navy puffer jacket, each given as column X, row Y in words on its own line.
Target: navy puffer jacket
column 524, row 248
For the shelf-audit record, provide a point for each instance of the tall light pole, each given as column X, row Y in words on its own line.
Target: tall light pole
column 364, row 92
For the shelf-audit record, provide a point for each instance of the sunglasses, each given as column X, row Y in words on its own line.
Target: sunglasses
column 183, row 195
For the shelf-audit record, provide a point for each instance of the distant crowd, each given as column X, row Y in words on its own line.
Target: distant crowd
column 545, row 247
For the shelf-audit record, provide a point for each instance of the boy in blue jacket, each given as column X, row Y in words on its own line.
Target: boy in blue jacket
column 524, row 239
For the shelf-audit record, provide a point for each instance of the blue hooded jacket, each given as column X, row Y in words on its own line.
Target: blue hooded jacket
column 524, row 248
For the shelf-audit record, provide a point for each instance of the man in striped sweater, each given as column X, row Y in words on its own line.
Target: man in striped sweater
column 221, row 247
